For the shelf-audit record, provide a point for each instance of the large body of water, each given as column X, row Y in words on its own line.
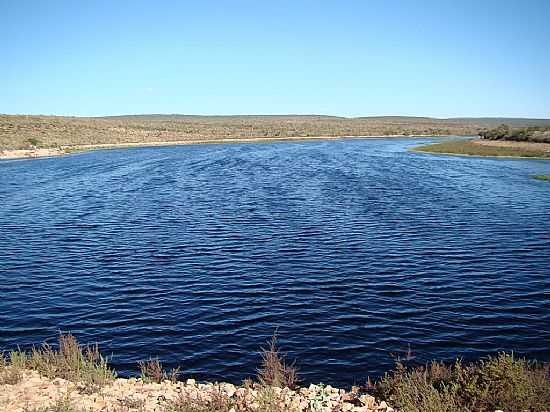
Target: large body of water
column 354, row 249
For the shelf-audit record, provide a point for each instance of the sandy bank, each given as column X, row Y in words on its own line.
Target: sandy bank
column 30, row 153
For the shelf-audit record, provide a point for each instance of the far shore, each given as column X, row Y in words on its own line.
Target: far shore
column 488, row 148
column 11, row 154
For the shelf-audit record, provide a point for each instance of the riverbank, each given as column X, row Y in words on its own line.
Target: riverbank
column 21, row 131
column 10, row 154
column 35, row 392
column 489, row 148
column 74, row 378
column 30, row 153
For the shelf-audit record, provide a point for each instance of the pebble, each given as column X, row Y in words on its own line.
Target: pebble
column 41, row 392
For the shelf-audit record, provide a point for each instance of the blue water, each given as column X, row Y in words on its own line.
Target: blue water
column 354, row 249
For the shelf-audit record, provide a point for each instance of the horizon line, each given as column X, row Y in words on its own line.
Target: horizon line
column 492, row 117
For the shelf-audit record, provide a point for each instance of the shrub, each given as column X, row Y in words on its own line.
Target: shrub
column 33, row 141
column 153, row 371
column 500, row 382
column 9, row 374
column 71, row 361
column 274, row 370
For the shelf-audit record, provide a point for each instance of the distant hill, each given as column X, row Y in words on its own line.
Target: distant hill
column 510, row 121
column 20, row 131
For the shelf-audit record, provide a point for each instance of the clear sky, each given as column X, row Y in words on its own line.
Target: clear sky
column 441, row 58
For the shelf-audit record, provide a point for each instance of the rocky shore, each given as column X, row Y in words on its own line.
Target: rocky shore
column 38, row 393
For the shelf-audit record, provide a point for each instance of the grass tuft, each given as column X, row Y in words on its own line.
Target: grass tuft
column 153, row 371
column 83, row 365
column 267, row 400
column 541, row 177
column 9, row 374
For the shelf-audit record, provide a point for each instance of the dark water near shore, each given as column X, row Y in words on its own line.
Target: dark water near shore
column 354, row 249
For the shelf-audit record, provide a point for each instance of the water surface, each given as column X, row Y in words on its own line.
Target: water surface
column 354, row 249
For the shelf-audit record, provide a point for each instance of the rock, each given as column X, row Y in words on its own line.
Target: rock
column 40, row 392
column 383, row 406
column 229, row 389
column 367, row 400
column 346, row 407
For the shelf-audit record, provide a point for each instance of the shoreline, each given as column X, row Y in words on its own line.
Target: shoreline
column 487, row 149
column 142, row 395
column 479, row 155
column 71, row 377
column 13, row 154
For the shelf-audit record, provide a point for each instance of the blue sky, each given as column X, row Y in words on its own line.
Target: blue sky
column 352, row 58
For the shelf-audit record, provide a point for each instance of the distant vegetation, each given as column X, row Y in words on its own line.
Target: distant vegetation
column 23, row 132
column 473, row 148
column 537, row 134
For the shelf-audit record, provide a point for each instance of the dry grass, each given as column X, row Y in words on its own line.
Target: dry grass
column 83, row 365
column 267, row 400
column 274, row 370
column 218, row 402
column 10, row 374
column 22, row 132
column 153, row 371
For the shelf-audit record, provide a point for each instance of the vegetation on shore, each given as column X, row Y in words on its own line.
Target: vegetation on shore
column 503, row 382
column 477, row 148
column 24, row 132
column 537, row 134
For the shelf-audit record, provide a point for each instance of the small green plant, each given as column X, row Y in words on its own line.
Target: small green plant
column 18, row 359
column 319, row 400
column 270, row 399
column 33, row 142
column 541, row 177
column 153, row 371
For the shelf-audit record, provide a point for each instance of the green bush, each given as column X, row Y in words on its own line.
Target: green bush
column 500, row 382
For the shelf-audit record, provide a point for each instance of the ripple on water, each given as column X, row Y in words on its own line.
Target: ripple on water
column 354, row 249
